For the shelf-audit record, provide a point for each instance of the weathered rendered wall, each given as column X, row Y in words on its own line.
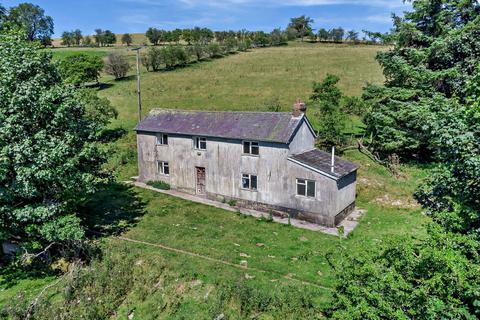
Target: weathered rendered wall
column 225, row 163
column 303, row 140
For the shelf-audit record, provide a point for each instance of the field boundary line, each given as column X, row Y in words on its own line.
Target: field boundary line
column 227, row 263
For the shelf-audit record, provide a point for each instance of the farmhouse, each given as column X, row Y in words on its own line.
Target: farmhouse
column 262, row 160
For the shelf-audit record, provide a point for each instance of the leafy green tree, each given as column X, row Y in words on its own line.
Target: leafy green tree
column 99, row 37
column 323, row 34
column 198, row 50
column 327, row 98
column 352, row 35
column 67, row 38
column 187, row 36
column 337, row 34
column 77, row 35
column 127, row 39
column 408, row 278
column 152, row 60
column 428, row 109
column 214, row 50
column 302, row 25
column 33, row 20
column 87, row 41
column 117, row 65
column 81, row 68
column 109, row 38
column 153, row 35
column 50, row 160
column 277, row 38
column 97, row 110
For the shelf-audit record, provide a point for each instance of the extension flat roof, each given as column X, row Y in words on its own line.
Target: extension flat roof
column 258, row 126
column 321, row 161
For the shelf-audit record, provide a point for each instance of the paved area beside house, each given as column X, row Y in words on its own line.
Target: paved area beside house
column 345, row 227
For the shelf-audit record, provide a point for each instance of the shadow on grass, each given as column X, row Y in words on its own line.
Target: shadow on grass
column 112, row 210
column 111, row 135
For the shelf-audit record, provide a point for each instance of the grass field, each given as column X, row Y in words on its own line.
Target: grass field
column 245, row 81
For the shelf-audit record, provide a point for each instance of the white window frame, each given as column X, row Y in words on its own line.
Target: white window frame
column 161, row 165
column 249, row 178
column 305, row 182
column 250, row 147
column 161, row 139
column 197, row 143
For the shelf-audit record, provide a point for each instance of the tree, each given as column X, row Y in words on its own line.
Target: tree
column 77, row 35
column 277, row 38
column 33, row 20
column 428, row 109
column 337, row 34
column 67, row 38
column 407, row 279
column 81, row 68
column 153, row 35
column 302, row 25
column 352, row 35
column 50, row 159
column 327, row 98
column 187, row 36
column 152, row 60
column 127, row 39
column 176, row 35
column 117, row 65
column 99, row 37
column 323, row 34
column 109, row 38
column 87, row 41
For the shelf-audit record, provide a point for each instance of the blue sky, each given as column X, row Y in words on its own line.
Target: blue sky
column 122, row 16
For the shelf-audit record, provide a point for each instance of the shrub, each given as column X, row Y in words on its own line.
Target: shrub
column 152, row 60
column 80, row 68
column 214, row 50
column 159, row 185
column 117, row 65
column 198, row 50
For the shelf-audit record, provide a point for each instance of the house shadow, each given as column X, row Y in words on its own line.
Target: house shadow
column 112, row 210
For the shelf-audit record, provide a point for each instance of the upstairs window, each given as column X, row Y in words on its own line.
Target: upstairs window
column 250, row 147
column 306, row 188
column 162, row 139
column 249, row 182
column 200, row 143
column 163, row 167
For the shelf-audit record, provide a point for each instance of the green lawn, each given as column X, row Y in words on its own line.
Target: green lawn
column 245, row 81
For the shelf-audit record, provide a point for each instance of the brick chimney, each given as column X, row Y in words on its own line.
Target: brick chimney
column 299, row 108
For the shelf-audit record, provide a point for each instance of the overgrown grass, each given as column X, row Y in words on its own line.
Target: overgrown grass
column 159, row 185
column 153, row 282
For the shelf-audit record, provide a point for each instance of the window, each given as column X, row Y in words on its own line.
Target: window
column 250, row 147
column 163, row 168
column 200, row 143
column 162, row 139
column 306, row 188
column 249, row 182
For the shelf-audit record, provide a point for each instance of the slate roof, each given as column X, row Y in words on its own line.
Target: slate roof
column 321, row 161
column 258, row 126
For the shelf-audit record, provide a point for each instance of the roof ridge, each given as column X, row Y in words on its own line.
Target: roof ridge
column 161, row 110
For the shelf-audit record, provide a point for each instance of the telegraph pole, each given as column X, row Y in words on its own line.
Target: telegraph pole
column 138, row 84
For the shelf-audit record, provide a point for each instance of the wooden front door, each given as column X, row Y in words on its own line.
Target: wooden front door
column 200, row 172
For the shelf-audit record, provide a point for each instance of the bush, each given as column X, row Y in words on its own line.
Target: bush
column 80, row 68
column 117, row 65
column 214, row 50
column 159, row 185
column 152, row 60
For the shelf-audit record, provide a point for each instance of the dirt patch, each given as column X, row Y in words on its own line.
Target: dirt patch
column 390, row 202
